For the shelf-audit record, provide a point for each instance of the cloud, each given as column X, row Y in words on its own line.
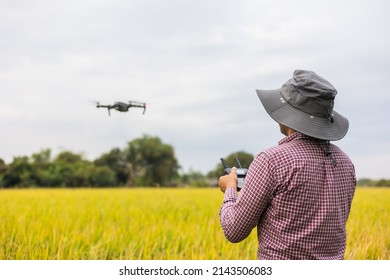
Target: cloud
column 197, row 65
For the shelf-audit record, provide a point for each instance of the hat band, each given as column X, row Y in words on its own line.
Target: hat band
column 309, row 105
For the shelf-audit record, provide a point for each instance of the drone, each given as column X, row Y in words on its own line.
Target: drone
column 122, row 107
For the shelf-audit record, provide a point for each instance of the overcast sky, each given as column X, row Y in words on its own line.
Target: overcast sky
column 197, row 65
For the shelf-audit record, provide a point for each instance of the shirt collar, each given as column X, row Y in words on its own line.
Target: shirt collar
column 293, row 137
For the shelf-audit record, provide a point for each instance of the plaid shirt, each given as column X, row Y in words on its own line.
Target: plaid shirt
column 299, row 195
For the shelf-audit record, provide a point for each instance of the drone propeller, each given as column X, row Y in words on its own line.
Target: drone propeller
column 97, row 103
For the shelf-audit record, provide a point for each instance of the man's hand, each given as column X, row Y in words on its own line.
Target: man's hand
column 228, row 181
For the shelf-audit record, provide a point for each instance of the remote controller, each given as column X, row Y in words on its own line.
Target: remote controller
column 241, row 173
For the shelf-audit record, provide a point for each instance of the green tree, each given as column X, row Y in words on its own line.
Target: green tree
column 244, row 158
column 41, row 165
column 116, row 161
column 19, row 173
column 102, row 176
column 365, row 182
column 152, row 161
column 382, row 183
column 71, row 170
column 3, row 170
column 193, row 178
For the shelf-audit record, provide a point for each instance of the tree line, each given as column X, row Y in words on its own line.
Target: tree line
column 145, row 161
column 365, row 182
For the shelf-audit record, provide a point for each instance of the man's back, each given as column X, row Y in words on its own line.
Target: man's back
column 314, row 183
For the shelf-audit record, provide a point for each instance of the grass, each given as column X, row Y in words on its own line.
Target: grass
column 159, row 224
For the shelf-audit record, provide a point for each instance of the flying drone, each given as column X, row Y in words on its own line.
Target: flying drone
column 122, row 107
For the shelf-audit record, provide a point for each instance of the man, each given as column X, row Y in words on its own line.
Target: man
column 298, row 193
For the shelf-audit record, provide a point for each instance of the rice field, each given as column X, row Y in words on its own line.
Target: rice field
column 153, row 224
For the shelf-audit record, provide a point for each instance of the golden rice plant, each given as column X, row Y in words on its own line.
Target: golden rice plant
column 115, row 224
column 152, row 224
column 368, row 226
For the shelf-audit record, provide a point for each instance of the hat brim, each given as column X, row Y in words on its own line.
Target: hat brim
column 318, row 127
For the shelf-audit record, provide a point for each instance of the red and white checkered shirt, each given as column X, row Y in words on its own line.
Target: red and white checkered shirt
column 299, row 196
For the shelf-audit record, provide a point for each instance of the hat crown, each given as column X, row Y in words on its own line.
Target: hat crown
column 310, row 93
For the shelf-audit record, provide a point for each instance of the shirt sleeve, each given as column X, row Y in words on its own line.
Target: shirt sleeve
column 239, row 214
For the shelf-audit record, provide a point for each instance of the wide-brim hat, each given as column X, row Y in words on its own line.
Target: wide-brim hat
column 305, row 103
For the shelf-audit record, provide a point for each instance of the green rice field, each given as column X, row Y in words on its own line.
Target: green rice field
column 153, row 224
